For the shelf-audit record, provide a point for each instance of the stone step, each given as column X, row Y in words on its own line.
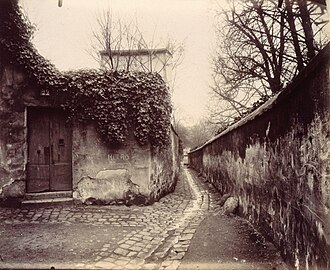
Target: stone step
column 47, row 202
column 47, row 198
column 48, row 195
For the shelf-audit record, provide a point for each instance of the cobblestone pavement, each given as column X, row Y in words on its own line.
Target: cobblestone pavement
column 153, row 237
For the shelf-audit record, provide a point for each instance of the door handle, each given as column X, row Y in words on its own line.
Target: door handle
column 61, row 142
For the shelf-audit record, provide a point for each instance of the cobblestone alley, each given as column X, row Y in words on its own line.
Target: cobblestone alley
column 184, row 230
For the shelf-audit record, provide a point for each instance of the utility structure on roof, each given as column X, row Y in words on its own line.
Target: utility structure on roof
column 145, row 60
column 100, row 136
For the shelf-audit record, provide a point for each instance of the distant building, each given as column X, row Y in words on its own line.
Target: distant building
column 145, row 60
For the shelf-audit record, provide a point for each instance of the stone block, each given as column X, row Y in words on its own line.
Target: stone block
column 107, row 187
column 15, row 189
column 121, row 252
column 230, row 206
column 224, row 199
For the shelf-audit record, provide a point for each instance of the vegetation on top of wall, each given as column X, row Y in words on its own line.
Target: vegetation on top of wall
column 115, row 101
column 244, row 113
column 16, row 48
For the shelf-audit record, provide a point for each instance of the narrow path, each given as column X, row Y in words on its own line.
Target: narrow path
column 167, row 241
column 184, row 230
column 222, row 242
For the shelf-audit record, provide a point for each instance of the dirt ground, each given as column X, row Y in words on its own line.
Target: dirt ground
column 223, row 242
column 184, row 230
column 51, row 243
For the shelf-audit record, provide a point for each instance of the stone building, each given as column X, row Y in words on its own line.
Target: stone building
column 44, row 157
column 40, row 153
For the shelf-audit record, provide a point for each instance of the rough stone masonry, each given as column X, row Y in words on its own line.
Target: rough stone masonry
column 276, row 161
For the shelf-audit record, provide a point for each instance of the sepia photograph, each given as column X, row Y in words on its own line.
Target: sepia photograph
column 165, row 134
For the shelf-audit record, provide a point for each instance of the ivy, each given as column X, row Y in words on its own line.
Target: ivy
column 115, row 101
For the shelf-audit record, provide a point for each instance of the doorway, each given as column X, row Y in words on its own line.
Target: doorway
column 49, row 166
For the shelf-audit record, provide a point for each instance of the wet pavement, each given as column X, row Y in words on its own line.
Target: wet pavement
column 184, row 230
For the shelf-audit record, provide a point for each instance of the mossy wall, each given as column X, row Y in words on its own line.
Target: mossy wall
column 277, row 162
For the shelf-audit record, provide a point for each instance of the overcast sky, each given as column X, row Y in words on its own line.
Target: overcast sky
column 64, row 35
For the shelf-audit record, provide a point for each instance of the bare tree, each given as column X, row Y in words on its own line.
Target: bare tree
column 261, row 46
column 111, row 36
column 200, row 133
column 123, row 46
column 192, row 135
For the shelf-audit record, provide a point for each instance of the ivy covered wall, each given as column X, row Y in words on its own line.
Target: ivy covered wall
column 116, row 100
column 124, row 108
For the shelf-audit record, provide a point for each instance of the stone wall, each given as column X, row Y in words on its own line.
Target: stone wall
column 134, row 173
column 165, row 168
column 91, row 156
column 276, row 161
column 12, row 147
column 150, row 173
column 15, row 96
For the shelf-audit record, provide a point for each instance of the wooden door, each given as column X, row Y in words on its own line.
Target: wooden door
column 60, row 153
column 49, row 151
column 38, row 151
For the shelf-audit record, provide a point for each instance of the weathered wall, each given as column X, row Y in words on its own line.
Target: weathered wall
column 277, row 162
column 151, row 175
column 12, row 136
column 165, row 168
column 15, row 95
column 153, row 172
column 91, row 156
